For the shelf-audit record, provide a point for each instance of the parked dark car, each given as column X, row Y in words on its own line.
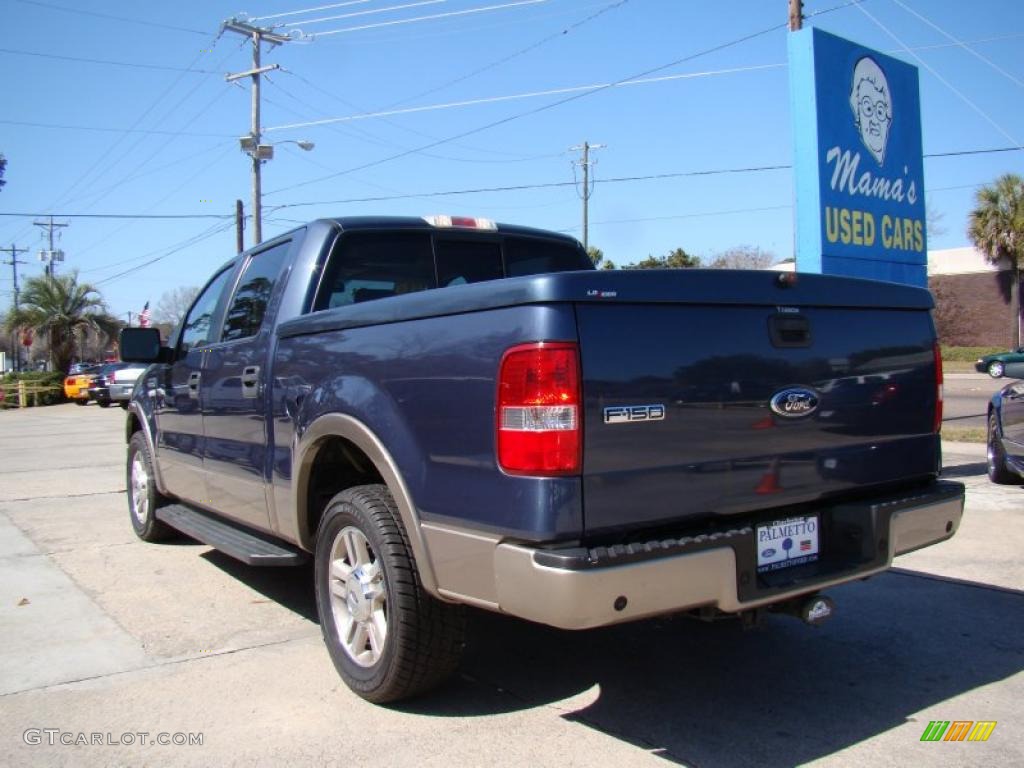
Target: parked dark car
column 99, row 387
column 1004, row 363
column 1006, row 435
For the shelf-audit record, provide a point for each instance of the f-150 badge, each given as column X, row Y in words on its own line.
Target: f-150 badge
column 621, row 414
column 794, row 402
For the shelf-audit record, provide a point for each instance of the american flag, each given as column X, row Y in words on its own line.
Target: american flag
column 144, row 316
column 805, row 545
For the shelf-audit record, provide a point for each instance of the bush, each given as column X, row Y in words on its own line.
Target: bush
column 9, row 383
column 968, row 354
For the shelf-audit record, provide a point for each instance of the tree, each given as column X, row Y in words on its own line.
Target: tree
column 60, row 310
column 996, row 227
column 597, row 256
column 743, row 257
column 675, row 259
column 174, row 304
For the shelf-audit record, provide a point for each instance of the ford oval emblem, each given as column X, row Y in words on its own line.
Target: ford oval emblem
column 794, row 402
column 768, row 553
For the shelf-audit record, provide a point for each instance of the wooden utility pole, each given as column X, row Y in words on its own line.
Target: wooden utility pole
column 796, row 15
column 239, row 226
column 251, row 143
column 14, row 269
column 585, row 164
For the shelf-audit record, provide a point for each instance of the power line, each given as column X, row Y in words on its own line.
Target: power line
column 369, row 12
column 110, row 62
column 506, row 188
column 388, row 112
column 105, row 129
column 449, row 14
column 940, row 78
column 961, row 44
column 510, row 57
column 124, row 215
column 309, row 10
column 110, row 16
column 507, row 157
column 205, row 235
column 534, row 111
column 579, row 89
column 543, row 108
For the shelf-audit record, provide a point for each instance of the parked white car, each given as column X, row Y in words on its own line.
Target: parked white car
column 122, row 383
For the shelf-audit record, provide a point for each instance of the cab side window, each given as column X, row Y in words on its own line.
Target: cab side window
column 197, row 328
column 369, row 265
column 255, row 287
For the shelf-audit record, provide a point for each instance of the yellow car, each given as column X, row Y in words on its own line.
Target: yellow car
column 76, row 387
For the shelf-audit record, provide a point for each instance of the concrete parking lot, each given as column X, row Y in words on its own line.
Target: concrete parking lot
column 103, row 634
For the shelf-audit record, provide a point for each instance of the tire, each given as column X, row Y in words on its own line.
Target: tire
column 996, row 369
column 143, row 497
column 103, row 403
column 389, row 640
column 80, row 401
column 996, row 456
column 124, row 404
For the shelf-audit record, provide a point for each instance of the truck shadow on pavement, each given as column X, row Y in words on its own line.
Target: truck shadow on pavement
column 783, row 694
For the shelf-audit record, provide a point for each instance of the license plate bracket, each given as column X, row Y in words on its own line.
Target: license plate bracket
column 787, row 542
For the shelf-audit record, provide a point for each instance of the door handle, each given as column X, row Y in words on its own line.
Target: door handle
column 251, row 381
column 193, row 384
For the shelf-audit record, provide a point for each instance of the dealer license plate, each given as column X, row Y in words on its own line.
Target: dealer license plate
column 785, row 543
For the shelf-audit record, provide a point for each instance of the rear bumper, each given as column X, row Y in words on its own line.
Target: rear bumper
column 580, row 588
column 121, row 392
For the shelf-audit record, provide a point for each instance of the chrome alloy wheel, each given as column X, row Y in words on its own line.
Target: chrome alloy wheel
column 140, row 489
column 359, row 598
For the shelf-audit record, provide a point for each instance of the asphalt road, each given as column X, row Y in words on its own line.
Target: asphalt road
column 103, row 634
column 966, row 397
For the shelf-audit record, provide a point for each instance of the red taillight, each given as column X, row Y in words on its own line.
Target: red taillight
column 937, row 425
column 538, row 425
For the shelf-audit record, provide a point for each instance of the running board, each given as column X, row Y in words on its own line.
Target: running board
column 231, row 539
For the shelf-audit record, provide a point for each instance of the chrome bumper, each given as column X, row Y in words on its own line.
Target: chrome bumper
column 584, row 597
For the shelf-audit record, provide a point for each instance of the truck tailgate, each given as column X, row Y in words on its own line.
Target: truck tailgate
column 678, row 422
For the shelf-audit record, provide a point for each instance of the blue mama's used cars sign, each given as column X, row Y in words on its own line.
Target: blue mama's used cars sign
column 858, row 163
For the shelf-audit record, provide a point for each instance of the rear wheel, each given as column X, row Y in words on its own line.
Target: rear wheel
column 995, row 369
column 103, row 403
column 143, row 497
column 997, row 471
column 388, row 638
column 80, row 401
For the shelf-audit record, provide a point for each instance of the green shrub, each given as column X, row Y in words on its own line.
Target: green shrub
column 968, row 354
column 9, row 383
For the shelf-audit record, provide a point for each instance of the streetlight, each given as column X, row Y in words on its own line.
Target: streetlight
column 260, row 153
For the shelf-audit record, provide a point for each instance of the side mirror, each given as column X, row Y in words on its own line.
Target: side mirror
column 142, row 345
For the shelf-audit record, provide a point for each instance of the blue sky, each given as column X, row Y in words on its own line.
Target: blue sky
column 718, row 111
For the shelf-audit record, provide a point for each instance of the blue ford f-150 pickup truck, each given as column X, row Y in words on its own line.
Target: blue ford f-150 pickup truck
column 446, row 412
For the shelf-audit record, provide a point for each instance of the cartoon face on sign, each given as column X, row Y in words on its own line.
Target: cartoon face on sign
column 871, row 103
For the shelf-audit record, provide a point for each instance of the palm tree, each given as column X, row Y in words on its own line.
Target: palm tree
column 58, row 309
column 996, row 227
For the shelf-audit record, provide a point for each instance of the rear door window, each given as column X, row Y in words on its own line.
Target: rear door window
column 249, row 304
column 371, row 265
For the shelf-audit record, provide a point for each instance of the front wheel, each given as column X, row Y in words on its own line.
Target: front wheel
column 996, row 456
column 143, row 497
column 388, row 638
column 995, row 369
column 80, row 401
